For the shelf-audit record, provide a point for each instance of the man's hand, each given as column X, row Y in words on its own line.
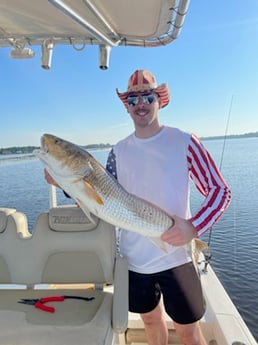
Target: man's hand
column 49, row 178
column 180, row 233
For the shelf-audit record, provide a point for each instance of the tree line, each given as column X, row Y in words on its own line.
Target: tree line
column 233, row 136
column 30, row 149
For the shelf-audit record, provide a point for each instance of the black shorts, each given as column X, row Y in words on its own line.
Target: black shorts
column 181, row 290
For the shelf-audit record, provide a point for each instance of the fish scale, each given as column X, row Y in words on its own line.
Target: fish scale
column 129, row 208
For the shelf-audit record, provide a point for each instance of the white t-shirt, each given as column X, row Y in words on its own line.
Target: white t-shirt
column 155, row 169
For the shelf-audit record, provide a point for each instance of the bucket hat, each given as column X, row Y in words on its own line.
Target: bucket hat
column 142, row 81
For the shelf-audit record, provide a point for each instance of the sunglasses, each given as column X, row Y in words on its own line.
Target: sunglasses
column 146, row 99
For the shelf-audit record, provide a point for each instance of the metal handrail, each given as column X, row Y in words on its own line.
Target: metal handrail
column 59, row 4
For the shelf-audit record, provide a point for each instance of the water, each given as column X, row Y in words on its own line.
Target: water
column 234, row 240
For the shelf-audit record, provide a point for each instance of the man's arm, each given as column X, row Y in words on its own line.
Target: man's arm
column 210, row 183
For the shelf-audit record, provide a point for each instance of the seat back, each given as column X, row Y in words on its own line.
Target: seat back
column 65, row 248
column 78, row 250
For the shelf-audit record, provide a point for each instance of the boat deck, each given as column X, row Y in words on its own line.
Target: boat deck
column 135, row 334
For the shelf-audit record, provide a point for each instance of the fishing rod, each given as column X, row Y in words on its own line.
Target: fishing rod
column 207, row 252
column 226, row 132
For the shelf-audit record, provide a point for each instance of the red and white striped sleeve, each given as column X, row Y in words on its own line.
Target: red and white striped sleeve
column 210, row 183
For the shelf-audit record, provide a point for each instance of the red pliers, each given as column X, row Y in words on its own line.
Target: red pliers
column 40, row 302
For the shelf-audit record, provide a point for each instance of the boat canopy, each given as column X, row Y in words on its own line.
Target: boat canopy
column 105, row 23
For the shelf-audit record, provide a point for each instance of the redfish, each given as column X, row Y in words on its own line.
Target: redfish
column 97, row 192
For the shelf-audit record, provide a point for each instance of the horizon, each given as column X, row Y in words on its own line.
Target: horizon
column 211, row 71
column 227, row 136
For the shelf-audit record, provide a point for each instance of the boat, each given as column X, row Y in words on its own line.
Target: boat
column 68, row 254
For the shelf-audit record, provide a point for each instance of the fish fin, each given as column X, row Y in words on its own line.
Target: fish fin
column 159, row 243
column 92, row 193
column 200, row 245
column 194, row 249
column 85, row 210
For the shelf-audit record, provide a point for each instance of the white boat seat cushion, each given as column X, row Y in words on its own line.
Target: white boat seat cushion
column 67, row 260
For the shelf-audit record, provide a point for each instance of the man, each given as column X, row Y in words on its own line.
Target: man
column 156, row 163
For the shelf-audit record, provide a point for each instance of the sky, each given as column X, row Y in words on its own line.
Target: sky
column 211, row 71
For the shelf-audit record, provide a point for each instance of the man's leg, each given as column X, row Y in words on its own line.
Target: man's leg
column 155, row 326
column 184, row 302
column 190, row 334
column 144, row 298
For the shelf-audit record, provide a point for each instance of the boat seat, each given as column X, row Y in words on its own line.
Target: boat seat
column 66, row 254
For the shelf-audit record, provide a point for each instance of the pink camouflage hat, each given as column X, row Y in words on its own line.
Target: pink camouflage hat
column 142, row 81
